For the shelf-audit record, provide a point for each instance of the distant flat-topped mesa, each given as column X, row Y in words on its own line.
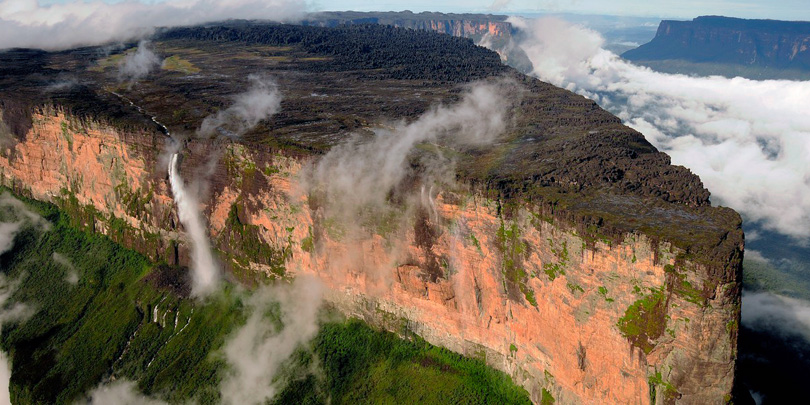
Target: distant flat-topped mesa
column 729, row 46
column 560, row 247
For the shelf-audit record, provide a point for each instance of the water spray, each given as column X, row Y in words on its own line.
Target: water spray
column 205, row 272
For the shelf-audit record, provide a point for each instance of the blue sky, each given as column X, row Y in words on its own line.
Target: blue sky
column 687, row 9
column 683, row 9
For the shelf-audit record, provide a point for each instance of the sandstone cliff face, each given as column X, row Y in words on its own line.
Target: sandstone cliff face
column 582, row 320
column 473, row 26
column 467, row 29
column 760, row 43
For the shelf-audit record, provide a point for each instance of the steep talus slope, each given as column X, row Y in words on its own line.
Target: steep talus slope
column 569, row 253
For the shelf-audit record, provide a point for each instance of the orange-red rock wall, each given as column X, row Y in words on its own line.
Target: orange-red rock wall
column 566, row 342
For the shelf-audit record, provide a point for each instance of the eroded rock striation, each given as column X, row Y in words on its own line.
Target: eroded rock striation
column 473, row 26
column 568, row 252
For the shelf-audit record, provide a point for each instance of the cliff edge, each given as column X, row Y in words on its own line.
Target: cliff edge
column 758, row 48
column 566, row 250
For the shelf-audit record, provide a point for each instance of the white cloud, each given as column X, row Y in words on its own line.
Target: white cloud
column 261, row 101
column 361, row 173
column 26, row 23
column 257, row 351
column 498, row 5
column 16, row 313
column 19, row 215
column 121, row 392
column 71, row 274
column 138, row 64
column 771, row 312
column 748, row 140
column 755, row 256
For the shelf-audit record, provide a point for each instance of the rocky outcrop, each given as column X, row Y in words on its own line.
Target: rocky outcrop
column 754, row 43
column 622, row 318
column 474, row 26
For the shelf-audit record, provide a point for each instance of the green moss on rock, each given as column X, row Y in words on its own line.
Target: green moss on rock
column 645, row 320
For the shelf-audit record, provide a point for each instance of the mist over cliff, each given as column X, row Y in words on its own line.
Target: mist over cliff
column 432, row 190
column 747, row 139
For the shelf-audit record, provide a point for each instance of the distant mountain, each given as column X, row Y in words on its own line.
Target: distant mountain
column 730, row 47
column 489, row 30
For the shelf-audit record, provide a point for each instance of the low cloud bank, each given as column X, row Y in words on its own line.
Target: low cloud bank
column 748, row 140
column 29, row 24
column 771, row 312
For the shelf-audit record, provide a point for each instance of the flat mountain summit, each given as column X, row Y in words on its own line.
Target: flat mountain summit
column 566, row 250
column 728, row 46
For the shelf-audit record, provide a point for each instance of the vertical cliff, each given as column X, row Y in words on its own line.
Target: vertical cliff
column 764, row 44
column 474, row 26
column 575, row 311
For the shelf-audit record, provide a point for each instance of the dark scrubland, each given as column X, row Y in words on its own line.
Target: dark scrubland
column 569, row 157
column 562, row 156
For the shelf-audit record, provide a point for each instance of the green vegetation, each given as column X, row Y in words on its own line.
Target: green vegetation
column 547, row 398
column 239, row 166
column 574, row 287
column 603, row 292
column 128, row 318
column 308, row 243
column 67, row 135
column 80, row 333
column 362, row 365
column 553, row 270
column 683, row 287
column 477, row 244
column 788, row 277
column 135, row 202
column 654, row 381
column 513, row 248
column 732, row 327
column 247, row 245
column 645, row 320
column 175, row 63
column 110, row 61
